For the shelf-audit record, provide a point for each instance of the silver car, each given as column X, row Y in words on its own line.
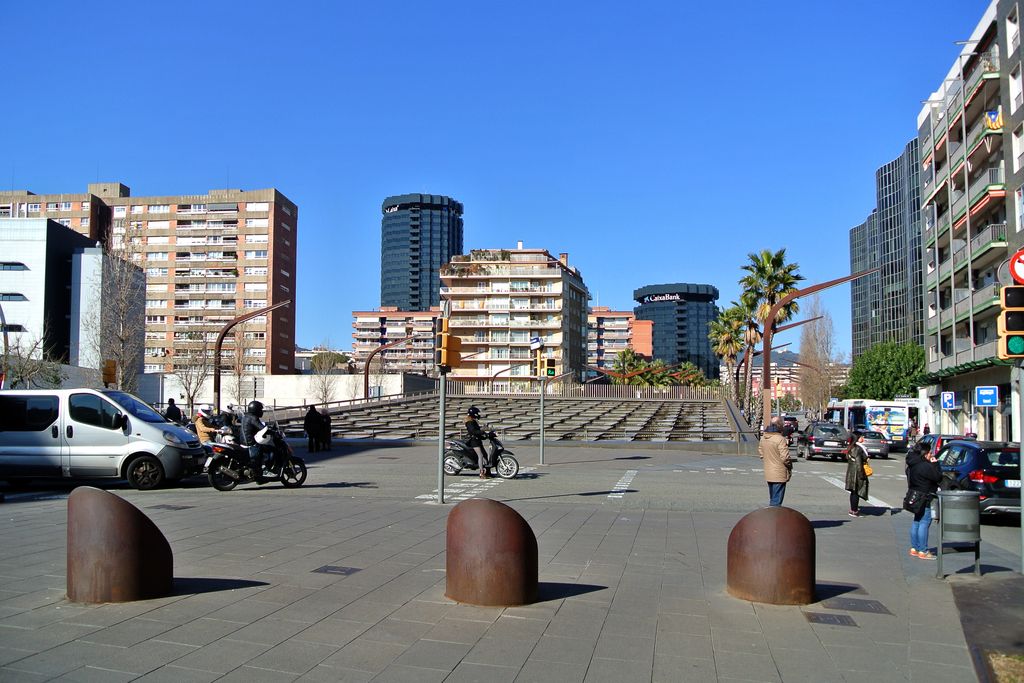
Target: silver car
column 874, row 442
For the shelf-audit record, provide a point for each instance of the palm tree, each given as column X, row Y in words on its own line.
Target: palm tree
column 769, row 278
column 726, row 335
column 627, row 361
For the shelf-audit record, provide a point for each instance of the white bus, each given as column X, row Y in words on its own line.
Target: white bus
column 894, row 419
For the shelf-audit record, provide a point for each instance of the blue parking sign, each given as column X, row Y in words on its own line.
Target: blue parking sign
column 986, row 397
column 948, row 400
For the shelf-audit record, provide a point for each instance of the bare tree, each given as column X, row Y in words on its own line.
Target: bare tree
column 115, row 324
column 239, row 383
column 193, row 365
column 817, row 356
column 27, row 364
column 325, row 366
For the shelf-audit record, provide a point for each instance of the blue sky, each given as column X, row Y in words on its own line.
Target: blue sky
column 654, row 142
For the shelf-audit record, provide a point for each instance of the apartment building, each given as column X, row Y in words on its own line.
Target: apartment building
column 888, row 305
column 419, row 234
column 373, row 329
column 611, row 332
column 971, row 135
column 207, row 257
column 502, row 300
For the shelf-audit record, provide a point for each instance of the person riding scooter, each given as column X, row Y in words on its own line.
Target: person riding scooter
column 205, row 428
column 251, row 425
column 475, row 440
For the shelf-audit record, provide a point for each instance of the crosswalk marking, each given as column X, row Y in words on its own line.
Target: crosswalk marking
column 620, row 488
column 464, row 490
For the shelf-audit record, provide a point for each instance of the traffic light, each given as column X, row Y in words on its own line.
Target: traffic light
column 549, row 367
column 446, row 346
column 109, row 372
column 1011, row 323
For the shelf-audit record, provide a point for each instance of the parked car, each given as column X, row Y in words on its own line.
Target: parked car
column 790, row 426
column 992, row 468
column 875, row 442
column 933, row 443
column 826, row 439
column 84, row 433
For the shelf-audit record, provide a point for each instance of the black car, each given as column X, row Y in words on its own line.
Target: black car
column 992, row 468
column 933, row 443
column 826, row 439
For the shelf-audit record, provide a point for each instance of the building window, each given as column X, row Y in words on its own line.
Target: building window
column 156, row 256
column 255, row 286
column 1016, row 96
column 256, row 222
column 255, row 270
column 159, row 208
column 156, row 319
column 12, row 265
column 254, row 303
column 159, row 225
column 65, row 206
column 287, row 210
column 256, row 253
column 156, row 272
column 156, row 303
column 33, row 208
column 138, row 208
column 257, row 206
column 1020, row 208
column 154, row 239
column 120, row 211
column 257, row 239
column 86, row 205
column 85, row 222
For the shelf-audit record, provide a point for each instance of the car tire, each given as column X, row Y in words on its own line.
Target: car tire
column 145, row 473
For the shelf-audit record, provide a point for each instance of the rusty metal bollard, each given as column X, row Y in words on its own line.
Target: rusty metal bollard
column 115, row 552
column 491, row 555
column 771, row 558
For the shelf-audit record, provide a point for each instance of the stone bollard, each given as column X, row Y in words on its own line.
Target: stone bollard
column 771, row 558
column 115, row 552
column 491, row 555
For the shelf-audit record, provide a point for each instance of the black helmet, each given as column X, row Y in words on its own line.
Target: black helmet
column 473, row 412
column 255, row 408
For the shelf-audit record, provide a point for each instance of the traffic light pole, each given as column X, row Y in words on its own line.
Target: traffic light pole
column 443, row 392
column 1020, row 431
column 544, row 390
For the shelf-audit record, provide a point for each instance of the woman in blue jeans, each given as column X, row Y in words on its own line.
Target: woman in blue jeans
column 924, row 475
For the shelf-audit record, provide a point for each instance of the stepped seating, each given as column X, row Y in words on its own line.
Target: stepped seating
column 514, row 418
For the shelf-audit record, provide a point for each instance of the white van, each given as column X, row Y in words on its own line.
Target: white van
column 84, row 433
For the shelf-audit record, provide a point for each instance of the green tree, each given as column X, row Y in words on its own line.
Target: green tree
column 769, row 278
column 689, row 375
column 885, row 370
column 789, row 403
column 727, row 340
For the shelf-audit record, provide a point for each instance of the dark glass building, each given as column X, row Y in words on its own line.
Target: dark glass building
column 889, row 305
column 419, row 233
column 681, row 313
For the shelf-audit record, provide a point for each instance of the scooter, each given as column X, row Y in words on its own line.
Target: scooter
column 460, row 456
column 229, row 464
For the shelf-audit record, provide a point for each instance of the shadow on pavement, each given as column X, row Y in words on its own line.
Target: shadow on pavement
column 989, row 608
column 827, row 591
column 553, row 590
column 196, row 585
column 633, row 457
column 827, row 523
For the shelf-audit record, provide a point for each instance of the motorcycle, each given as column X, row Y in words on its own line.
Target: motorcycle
column 460, row 456
column 229, row 464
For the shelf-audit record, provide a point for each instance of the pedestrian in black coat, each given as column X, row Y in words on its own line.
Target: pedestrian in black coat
column 313, row 425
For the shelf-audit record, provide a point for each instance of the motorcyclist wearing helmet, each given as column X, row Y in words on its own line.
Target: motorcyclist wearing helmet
column 205, row 428
column 252, row 423
column 475, row 440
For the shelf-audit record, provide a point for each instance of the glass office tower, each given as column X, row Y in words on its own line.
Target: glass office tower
column 681, row 313
column 419, row 234
column 889, row 305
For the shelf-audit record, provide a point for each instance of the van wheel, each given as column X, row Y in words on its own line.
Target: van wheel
column 145, row 473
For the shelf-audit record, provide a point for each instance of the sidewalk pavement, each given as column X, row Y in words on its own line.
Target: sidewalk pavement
column 314, row 584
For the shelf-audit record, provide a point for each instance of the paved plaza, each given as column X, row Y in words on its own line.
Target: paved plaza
column 343, row 580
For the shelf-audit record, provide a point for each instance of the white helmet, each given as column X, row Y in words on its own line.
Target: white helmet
column 263, row 437
column 205, row 412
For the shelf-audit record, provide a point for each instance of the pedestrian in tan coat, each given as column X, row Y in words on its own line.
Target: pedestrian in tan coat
column 778, row 468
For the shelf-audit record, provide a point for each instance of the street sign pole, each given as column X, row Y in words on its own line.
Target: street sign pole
column 1020, row 431
column 443, row 391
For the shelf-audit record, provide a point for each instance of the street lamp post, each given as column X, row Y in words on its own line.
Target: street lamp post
column 544, row 390
column 770, row 329
column 220, row 341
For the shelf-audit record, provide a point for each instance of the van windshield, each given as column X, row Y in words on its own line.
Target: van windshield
column 135, row 407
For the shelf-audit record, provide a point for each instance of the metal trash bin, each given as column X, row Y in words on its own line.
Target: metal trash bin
column 959, row 522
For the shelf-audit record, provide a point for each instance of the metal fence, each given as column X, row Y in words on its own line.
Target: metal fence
column 568, row 390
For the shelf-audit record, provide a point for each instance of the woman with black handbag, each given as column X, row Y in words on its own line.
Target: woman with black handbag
column 923, row 477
